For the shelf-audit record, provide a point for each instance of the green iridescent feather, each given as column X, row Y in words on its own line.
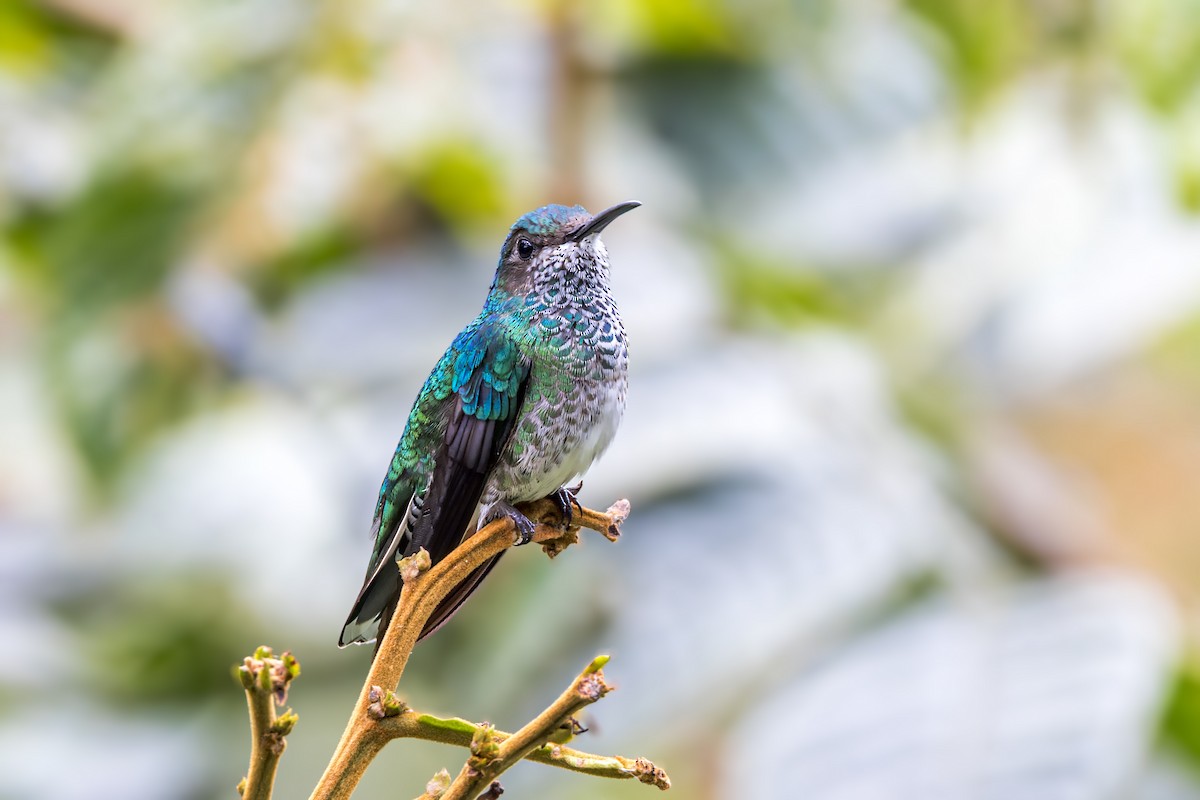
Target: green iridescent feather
column 485, row 367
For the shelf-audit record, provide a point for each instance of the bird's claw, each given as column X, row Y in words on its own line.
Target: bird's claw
column 525, row 527
column 564, row 498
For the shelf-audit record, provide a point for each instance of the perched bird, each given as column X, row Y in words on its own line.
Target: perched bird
column 522, row 402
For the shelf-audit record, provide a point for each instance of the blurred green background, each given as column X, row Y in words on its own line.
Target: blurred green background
column 913, row 434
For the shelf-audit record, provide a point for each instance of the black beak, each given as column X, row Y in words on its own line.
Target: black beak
column 601, row 220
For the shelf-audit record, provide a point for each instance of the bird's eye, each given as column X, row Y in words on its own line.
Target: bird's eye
column 524, row 249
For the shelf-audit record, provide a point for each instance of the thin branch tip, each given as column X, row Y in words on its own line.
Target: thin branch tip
column 285, row 723
column 592, row 687
column 646, row 772
column 598, row 663
column 437, row 786
column 266, row 680
column 264, row 672
column 619, row 510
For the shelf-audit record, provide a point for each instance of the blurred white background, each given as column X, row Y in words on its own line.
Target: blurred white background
column 913, row 431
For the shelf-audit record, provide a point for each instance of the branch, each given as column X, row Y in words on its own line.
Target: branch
column 423, row 591
column 460, row 732
column 490, row 757
column 266, row 679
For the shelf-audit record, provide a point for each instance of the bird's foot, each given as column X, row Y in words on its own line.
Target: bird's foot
column 524, row 525
column 564, row 498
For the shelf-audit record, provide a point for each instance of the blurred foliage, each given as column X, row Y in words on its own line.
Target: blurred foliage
column 1175, row 352
column 1181, row 719
column 163, row 641
column 274, row 282
column 1158, row 41
column 759, row 290
column 935, row 405
column 36, row 40
column 119, row 364
column 684, row 27
column 983, row 45
column 116, row 243
column 461, row 181
column 716, row 114
column 119, row 389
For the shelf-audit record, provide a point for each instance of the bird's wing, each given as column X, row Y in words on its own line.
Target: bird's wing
column 455, row 434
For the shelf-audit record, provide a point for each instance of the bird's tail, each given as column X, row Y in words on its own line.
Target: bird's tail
column 376, row 600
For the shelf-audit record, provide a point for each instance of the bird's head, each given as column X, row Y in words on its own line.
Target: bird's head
column 555, row 244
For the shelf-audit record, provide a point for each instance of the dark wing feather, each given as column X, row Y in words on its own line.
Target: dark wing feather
column 480, row 419
column 382, row 583
column 472, row 447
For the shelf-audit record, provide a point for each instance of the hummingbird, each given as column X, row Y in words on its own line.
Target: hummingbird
column 526, row 397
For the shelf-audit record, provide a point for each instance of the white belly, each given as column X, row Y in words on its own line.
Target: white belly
column 592, row 442
column 562, row 449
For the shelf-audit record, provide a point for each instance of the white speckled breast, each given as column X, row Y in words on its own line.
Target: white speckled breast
column 578, row 378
